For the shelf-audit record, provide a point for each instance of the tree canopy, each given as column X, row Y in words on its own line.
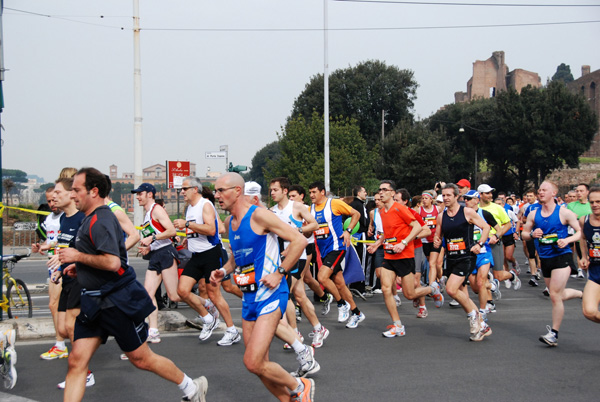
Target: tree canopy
column 16, row 175
column 270, row 152
column 362, row 93
column 563, row 73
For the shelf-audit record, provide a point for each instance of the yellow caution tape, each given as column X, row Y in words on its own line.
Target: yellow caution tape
column 33, row 211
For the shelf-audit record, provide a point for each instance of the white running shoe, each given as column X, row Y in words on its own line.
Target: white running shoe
column 344, row 312
column 397, row 300
column 212, row 309
column 208, row 329
column 319, row 337
column 580, row 274
column 516, row 281
column 89, row 381
column 355, row 319
column 308, row 364
column 230, row 338
column 326, row 304
column 201, row 389
column 454, row 303
column 550, row 338
column 394, row 330
column 153, row 337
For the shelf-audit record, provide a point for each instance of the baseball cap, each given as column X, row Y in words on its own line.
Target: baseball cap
column 471, row 194
column 144, row 187
column 252, row 188
column 439, row 198
column 484, row 188
column 464, row 183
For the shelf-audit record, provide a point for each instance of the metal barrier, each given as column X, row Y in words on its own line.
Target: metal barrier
column 24, row 235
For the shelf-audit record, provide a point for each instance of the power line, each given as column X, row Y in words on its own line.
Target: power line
column 69, row 19
column 437, row 3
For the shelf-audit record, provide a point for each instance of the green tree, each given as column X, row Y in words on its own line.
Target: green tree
column 302, row 154
column 563, row 73
column 362, row 93
column 270, row 152
column 414, row 156
column 16, row 175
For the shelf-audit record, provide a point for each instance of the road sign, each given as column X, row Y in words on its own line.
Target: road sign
column 177, row 169
column 215, row 155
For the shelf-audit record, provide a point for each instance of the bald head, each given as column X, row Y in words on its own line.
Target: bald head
column 231, row 179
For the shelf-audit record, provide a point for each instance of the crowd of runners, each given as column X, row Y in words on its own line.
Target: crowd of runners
column 431, row 246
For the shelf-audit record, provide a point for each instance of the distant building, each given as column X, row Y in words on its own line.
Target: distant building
column 491, row 76
column 586, row 85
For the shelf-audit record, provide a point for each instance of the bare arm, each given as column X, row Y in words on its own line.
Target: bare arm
column 133, row 235
column 104, row 262
column 304, row 214
column 159, row 214
column 584, row 261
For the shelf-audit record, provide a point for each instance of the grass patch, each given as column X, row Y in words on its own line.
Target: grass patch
column 586, row 160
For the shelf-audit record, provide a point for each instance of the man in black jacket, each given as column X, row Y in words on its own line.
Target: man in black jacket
column 358, row 203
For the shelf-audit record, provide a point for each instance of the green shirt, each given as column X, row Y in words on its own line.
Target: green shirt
column 579, row 208
column 498, row 213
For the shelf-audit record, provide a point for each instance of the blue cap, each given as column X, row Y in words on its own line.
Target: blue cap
column 145, row 187
column 471, row 194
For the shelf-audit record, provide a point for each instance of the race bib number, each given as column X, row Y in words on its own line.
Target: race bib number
column 595, row 252
column 322, row 232
column 147, row 230
column 190, row 234
column 378, row 235
column 548, row 239
column 431, row 222
column 388, row 245
column 476, row 235
column 245, row 279
column 456, row 246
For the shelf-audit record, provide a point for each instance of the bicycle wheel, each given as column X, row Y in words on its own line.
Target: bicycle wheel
column 19, row 300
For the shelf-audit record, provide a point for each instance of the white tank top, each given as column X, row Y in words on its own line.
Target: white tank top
column 287, row 216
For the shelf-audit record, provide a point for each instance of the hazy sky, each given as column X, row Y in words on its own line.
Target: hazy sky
column 227, row 72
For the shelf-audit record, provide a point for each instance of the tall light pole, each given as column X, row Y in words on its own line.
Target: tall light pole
column 137, row 106
column 326, row 94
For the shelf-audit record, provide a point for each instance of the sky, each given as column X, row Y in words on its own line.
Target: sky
column 227, row 72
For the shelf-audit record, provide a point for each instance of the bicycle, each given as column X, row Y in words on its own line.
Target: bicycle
column 8, row 358
column 17, row 299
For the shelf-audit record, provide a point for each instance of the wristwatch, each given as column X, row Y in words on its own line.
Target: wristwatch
column 187, row 225
column 349, row 230
column 153, row 237
column 480, row 244
column 404, row 242
column 300, row 229
column 281, row 270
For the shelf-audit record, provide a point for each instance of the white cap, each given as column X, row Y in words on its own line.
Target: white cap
column 439, row 198
column 484, row 188
column 252, row 188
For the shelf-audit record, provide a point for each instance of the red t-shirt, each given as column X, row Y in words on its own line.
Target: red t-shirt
column 396, row 227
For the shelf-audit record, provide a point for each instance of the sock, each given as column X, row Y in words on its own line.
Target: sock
column 297, row 346
column 423, row 306
column 356, row 311
column 231, row 329
column 187, row 386
column 324, row 297
column 398, row 323
column 299, row 388
column 318, row 327
column 472, row 314
column 153, row 330
column 555, row 332
column 60, row 345
column 208, row 319
column 341, row 302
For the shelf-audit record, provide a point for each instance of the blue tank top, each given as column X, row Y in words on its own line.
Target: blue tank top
column 592, row 237
column 331, row 229
column 553, row 230
column 261, row 251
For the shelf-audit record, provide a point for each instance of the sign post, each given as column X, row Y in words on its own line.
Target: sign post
column 176, row 172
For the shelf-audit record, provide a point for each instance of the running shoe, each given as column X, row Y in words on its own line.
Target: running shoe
column 208, row 329
column 517, row 267
column 307, row 394
column 533, row 282
column 507, row 283
column 123, row 356
column 474, row 324
column 438, row 297
column 483, row 314
column 422, row 312
column 196, row 322
column 394, row 330
column 397, row 300
column 9, row 357
column 230, row 338
column 212, row 309
column 287, row 346
column 355, row 319
column 415, row 303
column 55, row 353
column 319, row 337
column 201, row 389
column 537, row 276
column 153, row 337
column 482, row 333
column 377, row 291
column 550, row 338
column 343, row 312
column 496, row 289
column 580, row 273
column 298, row 314
column 490, row 307
column 546, row 292
column 308, row 364
column 454, row 303
column 89, row 381
column 326, row 304
column 516, row 282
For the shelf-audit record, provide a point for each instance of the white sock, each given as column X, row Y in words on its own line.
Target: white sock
column 207, row 303
column 298, row 347
column 153, row 330
column 208, row 318
column 60, row 344
column 187, row 386
column 317, row 327
column 231, row 329
column 300, row 387
column 472, row 314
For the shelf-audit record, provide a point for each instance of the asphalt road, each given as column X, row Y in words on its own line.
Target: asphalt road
column 434, row 361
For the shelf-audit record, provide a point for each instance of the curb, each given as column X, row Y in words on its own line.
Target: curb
column 29, row 329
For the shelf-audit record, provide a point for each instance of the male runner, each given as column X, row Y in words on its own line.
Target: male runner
column 156, row 246
column 113, row 302
column 332, row 241
column 203, row 241
column 400, row 228
column 260, row 274
column 456, row 226
column 358, row 203
column 298, row 216
column 590, row 260
column 51, row 227
column 581, row 207
column 529, row 245
column 548, row 227
column 510, row 236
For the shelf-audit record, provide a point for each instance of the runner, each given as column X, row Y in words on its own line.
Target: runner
column 581, row 207
column 429, row 212
column 156, row 247
column 590, row 260
column 203, row 241
column 99, row 260
column 260, row 274
column 510, row 236
column 548, row 227
column 529, row 245
column 456, row 226
column 332, row 241
column 298, row 216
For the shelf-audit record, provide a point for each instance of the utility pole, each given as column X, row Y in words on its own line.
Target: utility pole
column 137, row 106
column 326, row 92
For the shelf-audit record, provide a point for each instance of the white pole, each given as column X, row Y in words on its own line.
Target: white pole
column 326, row 92
column 137, row 105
